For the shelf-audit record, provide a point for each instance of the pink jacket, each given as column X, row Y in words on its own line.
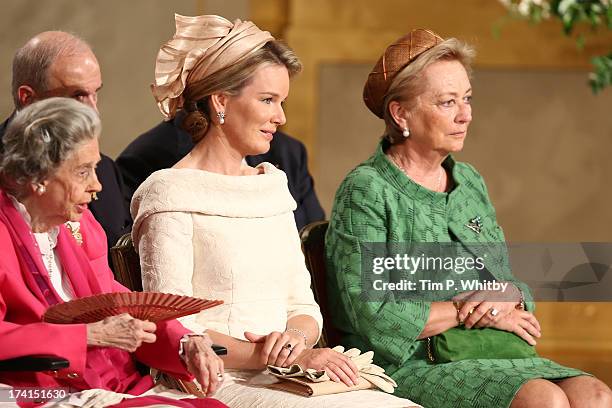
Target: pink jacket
column 22, row 305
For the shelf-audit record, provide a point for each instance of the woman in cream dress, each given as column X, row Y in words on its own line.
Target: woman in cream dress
column 213, row 227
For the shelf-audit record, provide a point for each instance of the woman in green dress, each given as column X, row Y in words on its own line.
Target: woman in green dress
column 412, row 191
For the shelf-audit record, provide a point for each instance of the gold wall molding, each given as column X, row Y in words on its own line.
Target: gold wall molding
column 356, row 31
column 270, row 15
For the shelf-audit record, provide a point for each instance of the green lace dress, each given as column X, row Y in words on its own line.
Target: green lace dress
column 377, row 203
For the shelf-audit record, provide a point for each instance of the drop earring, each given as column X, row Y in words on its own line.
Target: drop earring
column 405, row 132
column 221, row 116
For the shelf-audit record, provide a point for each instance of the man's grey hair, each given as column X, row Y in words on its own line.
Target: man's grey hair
column 40, row 138
column 31, row 62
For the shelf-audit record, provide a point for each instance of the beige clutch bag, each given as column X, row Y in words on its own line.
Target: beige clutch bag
column 311, row 383
column 307, row 388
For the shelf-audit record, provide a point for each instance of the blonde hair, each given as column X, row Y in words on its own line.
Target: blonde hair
column 408, row 84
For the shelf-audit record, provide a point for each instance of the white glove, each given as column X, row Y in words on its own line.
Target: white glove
column 368, row 371
column 295, row 370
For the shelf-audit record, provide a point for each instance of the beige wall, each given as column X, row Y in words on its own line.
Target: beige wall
column 125, row 36
column 540, row 138
column 356, row 31
column 231, row 9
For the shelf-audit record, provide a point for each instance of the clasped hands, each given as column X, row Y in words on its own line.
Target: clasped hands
column 497, row 309
column 127, row 333
column 287, row 348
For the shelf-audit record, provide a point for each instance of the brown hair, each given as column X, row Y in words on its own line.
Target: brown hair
column 231, row 81
column 31, row 62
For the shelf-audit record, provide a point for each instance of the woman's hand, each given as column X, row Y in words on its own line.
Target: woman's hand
column 278, row 349
column 484, row 308
column 203, row 363
column 122, row 331
column 522, row 323
column 338, row 367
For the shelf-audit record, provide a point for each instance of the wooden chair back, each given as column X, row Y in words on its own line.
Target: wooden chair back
column 313, row 246
column 128, row 273
column 127, row 263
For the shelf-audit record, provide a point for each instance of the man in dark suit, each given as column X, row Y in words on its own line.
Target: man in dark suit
column 165, row 144
column 55, row 63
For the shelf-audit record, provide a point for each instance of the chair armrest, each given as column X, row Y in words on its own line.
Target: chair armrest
column 34, row 363
column 219, row 350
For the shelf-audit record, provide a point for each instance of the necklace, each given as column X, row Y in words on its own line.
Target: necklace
column 403, row 170
column 44, row 243
column 50, row 257
column 47, row 245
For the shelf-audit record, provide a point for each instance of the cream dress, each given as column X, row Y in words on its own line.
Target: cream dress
column 233, row 238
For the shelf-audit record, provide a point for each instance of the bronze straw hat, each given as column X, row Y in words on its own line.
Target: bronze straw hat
column 395, row 58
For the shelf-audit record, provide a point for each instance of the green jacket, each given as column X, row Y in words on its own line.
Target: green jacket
column 378, row 203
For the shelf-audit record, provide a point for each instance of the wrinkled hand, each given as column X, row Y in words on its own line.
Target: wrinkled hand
column 203, row 363
column 123, row 332
column 275, row 350
column 476, row 306
column 339, row 367
column 522, row 323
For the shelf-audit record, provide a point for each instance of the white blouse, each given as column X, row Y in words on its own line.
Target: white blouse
column 46, row 243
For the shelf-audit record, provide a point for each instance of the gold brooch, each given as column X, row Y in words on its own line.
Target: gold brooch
column 75, row 230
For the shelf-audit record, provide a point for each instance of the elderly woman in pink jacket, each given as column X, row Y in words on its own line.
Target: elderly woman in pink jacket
column 47, row 178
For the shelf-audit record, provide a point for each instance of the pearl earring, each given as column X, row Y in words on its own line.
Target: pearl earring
column 221, row 116
column 40, row 188
column 405, row 132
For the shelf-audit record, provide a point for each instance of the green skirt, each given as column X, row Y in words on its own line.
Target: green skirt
column 472, row 383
